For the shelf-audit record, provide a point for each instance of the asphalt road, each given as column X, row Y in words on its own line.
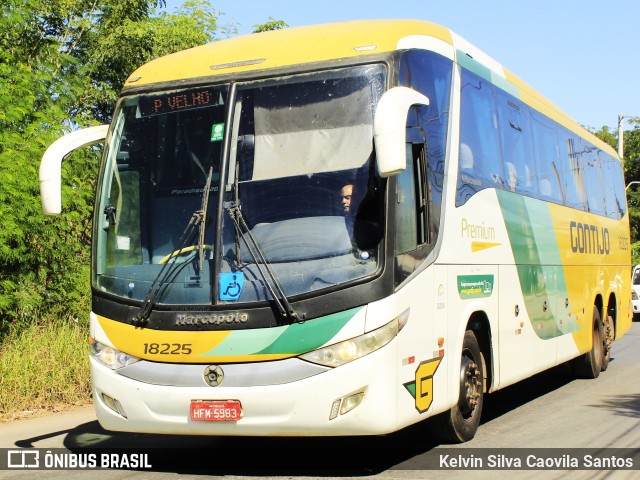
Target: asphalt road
column 551, row 410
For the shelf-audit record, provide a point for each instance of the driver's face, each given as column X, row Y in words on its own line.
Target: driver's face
column 345, row 198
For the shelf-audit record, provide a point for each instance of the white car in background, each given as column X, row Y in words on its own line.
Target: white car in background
column 635, row 291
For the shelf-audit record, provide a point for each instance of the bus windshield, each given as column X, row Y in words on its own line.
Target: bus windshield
column 300, row 177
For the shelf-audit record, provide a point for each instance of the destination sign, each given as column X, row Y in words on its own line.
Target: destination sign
column 179, row 101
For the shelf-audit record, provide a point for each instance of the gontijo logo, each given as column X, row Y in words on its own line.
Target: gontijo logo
column 589, row 238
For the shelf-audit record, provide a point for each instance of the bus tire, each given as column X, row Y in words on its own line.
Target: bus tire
column 461, row 422
column 607, row 341
column 589, row 365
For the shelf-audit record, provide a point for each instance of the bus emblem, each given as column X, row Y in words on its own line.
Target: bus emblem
column 213, row 375
column 211, row 319
column 421, row 388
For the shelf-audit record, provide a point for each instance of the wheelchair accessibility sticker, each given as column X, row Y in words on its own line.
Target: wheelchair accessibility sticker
column 231, row 285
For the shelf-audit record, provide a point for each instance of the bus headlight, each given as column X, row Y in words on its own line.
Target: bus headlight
column 109, row 356
column 358, row 347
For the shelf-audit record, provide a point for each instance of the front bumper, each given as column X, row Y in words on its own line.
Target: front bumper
column 297, row 408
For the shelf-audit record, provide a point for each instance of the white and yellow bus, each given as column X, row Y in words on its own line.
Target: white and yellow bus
column 342, row 230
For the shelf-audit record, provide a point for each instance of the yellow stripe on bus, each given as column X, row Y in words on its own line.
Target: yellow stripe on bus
column 479, row 246
column 161, row 345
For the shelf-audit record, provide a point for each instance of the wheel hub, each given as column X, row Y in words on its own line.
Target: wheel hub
column 471, row 387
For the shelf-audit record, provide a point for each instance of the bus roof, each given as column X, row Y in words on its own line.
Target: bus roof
column 282, row 48
column 344, row 40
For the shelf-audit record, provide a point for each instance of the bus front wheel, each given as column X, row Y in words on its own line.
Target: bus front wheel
column 461, row 422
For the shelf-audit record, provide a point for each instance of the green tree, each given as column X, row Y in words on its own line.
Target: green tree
column 33, row 109
column 118, row 45
column 632, row 174
column 62, row 63
column 272, row 24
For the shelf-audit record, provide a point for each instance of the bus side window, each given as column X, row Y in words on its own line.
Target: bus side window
column 412, row 227
column 406, row 218
column 547, row 153
column 431, row 74
column 516, row 146
column 480, row 164
column 570, row 170
column 592, row 178
column 412, row 201
column 613, row 178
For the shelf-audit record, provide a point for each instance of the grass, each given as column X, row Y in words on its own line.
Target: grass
column 44, row 368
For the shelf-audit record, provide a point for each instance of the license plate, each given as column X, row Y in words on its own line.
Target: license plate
column 215, row 411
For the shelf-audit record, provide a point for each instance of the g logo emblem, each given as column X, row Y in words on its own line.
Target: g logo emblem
column 213, row 375
column 424, row 383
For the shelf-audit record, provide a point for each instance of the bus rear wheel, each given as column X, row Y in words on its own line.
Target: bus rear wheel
column 589, row 365
column 461, row 422
column 609, row 334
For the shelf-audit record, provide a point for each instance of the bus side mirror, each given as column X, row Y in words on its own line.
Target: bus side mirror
column 51, row 164
column 389, row 128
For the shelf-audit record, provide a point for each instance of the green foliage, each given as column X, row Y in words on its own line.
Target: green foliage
column 43, row 366
column 272, row 24
column 62, row 63
column 33, row 106
column 119, row 44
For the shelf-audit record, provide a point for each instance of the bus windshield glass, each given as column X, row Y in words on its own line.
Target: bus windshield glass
column 300, row 177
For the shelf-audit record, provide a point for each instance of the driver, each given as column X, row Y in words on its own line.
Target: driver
column 346, row 197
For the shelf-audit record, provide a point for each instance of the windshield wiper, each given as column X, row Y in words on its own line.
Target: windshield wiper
column 203, row 223
column 171, row 267
column 270, row 279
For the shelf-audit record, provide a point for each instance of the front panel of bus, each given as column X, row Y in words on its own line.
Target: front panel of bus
column 242, row 237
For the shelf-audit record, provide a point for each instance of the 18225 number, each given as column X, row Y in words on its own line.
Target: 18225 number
column 167, row 348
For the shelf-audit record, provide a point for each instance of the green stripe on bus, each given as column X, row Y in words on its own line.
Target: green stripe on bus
column 246, row 342
column 289, row 339
column 307, row 336
column 476, row 67
column 537, row 257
